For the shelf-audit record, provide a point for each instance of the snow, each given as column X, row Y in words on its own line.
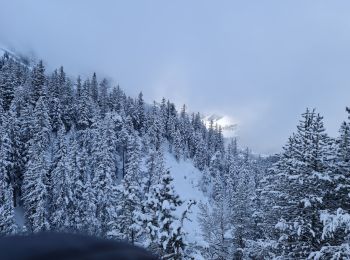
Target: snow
column 332, row 222
column 166, row 204
column 281, row 225
column 299, row 231
column 335, row 252
column 306, row 202
column 186, row 182
column 322, row 176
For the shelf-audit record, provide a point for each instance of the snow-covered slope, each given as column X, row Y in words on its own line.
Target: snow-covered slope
column 24, row 60
column 186, row 181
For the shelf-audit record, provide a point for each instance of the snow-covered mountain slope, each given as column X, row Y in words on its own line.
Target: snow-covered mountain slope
column 186, row 181
column 187, row 184
column 24, row 60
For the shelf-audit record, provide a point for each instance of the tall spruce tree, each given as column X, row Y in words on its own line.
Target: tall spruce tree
column 38, row 82
column 62, row 192
column 36, row 175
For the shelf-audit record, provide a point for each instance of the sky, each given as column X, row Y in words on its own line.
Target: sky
column 260, row 63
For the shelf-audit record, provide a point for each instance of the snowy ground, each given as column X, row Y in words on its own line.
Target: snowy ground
column 186, row 182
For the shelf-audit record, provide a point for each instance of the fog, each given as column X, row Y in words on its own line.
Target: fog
column 259, row 62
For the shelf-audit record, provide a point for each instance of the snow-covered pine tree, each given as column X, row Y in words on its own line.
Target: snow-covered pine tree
column 53, row 95
column 116, row 99
column 243, row 206
column 171, row 238
column 170, row 121
column 90, row 222
column 68, row 107
column 200, row 154
column 36, row 174
column 38, row 82
column 129, row 207
column 103, row 97
column 7, row 221
column 7, row 151
column 104, row 173
column 7, row 214
column 185, row 128
column 76, row 211
column 178, row 145
column 335, row 216
column 94, row 88
column 155, row 167
column 139, row 113
column 8, row 83
column 84, row 108
column 216, row 227
column 78, row 87
column 148, row 217
column 61, row 182
column 336, row 227
column 13, row 130
column 297, row 188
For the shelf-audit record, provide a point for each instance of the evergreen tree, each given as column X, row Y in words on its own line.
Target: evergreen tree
column 8, row 83
column 243, row 208
column 38, row 81
column 148, row 217
column 104, row 172
column 215, row 226
column 171, row 240
column 85, row 110
column 76, row 210
column 130, row 197
column 62, row 192
column 94, row 88
column 155, row 129
column 36, row 175
column 53, row 96
column 7, row 219
column 103, row 97
column 7, row 223
column 178, row 145
column 299, row 188
column 78, row 87
column 90, row 222
column 200, row 156
column 140, row 112
column 13, row 133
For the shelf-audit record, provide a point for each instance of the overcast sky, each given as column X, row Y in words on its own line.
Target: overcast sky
column 260, row 62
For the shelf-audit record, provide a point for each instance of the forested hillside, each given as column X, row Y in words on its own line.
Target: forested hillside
column 79, row 155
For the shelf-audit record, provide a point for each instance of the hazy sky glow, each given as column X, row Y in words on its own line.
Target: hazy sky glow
column 260, row 62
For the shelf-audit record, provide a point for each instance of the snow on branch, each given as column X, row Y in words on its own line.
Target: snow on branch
column 332, row 222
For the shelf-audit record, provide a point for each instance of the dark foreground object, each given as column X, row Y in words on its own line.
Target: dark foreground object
column 68, row 246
